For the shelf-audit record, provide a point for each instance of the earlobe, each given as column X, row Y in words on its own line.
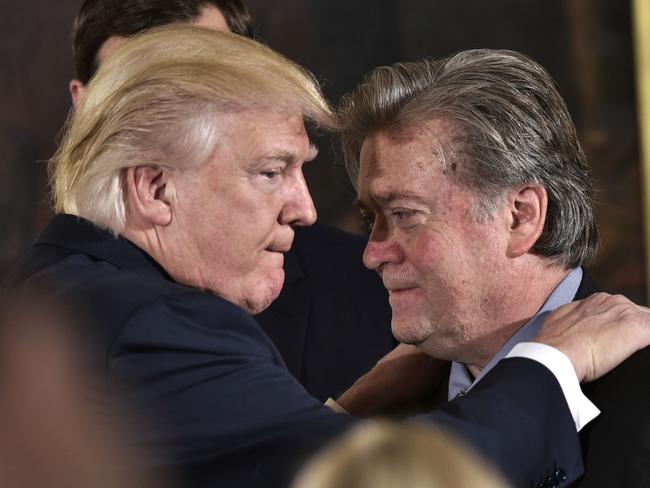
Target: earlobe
column 527, row 217
column 77, row 91
column 148, row 194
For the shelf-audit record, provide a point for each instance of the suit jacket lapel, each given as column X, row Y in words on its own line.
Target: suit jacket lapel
column 587, row 286
column 286, row 320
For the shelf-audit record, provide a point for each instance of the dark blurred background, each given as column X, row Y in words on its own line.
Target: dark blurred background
column 585, row 44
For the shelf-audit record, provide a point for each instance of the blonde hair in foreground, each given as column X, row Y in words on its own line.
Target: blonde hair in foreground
column 156, row 102
column 381, row 454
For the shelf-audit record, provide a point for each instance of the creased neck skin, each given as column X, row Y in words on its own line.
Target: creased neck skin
column 522, row 297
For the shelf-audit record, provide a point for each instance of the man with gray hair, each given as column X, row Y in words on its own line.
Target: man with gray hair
column 479, row 196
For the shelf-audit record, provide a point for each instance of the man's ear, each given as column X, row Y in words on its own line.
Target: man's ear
column 148, row 193
column 527, row 216
column 77, row 91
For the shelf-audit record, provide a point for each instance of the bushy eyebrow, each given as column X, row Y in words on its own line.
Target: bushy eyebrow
column 290, row 156
column 387, row 198
column 360, row 204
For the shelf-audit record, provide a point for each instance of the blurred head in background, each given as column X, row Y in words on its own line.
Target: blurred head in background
column 103, row 25
column 54, row 432
column 378, row 455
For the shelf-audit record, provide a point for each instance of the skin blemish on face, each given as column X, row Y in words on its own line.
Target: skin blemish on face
column 446, row 150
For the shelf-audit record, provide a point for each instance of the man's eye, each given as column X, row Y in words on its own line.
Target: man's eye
column 402, row 215
column 271, row 173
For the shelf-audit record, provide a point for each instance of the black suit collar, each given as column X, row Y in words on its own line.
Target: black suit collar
column 293, row 269
column 587, row 286
column 78, row 234
column 286, row 321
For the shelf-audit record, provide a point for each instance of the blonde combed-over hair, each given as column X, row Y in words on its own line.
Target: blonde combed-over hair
column 156, row 102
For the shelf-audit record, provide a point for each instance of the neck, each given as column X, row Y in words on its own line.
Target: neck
column 149, row 240
column 521, row 298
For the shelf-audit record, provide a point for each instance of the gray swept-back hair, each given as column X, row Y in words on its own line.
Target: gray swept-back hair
column 513, row 129
column 157, row 102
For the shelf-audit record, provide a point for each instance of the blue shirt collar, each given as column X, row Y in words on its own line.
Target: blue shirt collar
column 460, row 379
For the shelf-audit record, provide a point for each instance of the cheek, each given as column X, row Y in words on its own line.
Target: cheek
column 443, row 268
column 247, row 221
column 424, row 254
column 427, row 251
column 257, row 226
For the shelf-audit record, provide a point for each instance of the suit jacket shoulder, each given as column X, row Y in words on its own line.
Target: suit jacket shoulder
column 616, row 445
column 209, row 388
column 214, row 397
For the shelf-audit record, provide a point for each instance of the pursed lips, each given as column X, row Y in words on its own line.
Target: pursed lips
column 281, row 245
column 274, row 257
column 279, row 249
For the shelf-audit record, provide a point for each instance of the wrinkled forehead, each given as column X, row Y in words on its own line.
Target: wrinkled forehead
column 434, row 142
column 266, row 134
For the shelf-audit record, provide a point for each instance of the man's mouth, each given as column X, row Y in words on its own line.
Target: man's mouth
column 403, row 293
column 397, row 291
column 282, row 243
column 279, row 248
column 396, row 286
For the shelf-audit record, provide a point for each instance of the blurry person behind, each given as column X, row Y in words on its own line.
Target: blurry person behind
column 53, row 431
column 386, row 455
column 101, row 26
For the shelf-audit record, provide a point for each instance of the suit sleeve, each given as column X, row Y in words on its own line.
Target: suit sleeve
column 518, row 419
column 220, row 405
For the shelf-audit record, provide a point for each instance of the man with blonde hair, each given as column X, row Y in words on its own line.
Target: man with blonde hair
column 323, row 265
column 177, row 186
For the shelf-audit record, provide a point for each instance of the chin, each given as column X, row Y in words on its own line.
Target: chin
column 275, row 284
column 265, row 292
column 254, row 308
column 406, row 333
column 409, row 329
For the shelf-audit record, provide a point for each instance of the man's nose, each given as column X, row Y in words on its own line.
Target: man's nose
column 380, row 250
column 299, row 210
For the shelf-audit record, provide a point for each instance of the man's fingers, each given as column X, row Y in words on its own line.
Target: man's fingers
column 597, row 333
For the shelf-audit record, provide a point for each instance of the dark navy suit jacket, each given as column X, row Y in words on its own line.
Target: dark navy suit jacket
column 328, row 347
column 215, row 398
column 616, row 445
